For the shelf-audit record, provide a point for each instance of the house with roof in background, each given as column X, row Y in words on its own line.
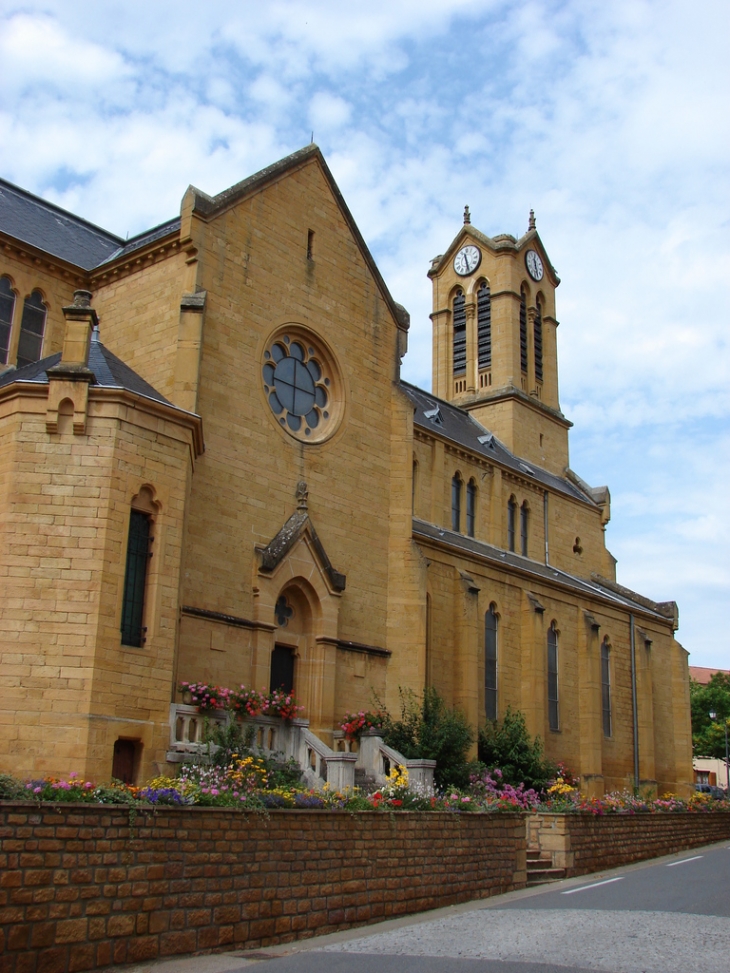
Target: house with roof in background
column 211, row 470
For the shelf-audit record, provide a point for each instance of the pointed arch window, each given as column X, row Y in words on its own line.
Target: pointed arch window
column 32, row 326
column 134, row 631
column 552, row 678
column 606, row 686
column 456, row 485
column 523, row 330
column 524, row 525
column 471, row 507
column 7, row 306
column 484, row 325
column 490, row 663
column 459, row 319
column 538, row 341
column 511, row 522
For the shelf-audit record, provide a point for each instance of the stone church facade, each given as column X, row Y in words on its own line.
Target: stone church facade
column 211, row 470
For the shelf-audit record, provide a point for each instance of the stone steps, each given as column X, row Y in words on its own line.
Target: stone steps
column 540, row 871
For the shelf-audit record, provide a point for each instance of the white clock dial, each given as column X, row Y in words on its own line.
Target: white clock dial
column 534, row 264
column 467, row 260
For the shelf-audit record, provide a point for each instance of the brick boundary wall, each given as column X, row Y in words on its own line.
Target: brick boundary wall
column 584, row 843
column 79, row 890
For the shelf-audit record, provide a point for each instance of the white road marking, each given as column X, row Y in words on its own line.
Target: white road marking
column 694, row 859
column 594, row 886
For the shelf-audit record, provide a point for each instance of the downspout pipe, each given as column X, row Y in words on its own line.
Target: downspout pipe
column 545, row 519
column 632, row 632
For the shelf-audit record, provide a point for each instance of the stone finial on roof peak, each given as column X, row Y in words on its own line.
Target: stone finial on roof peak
column 531, row 221
column 467, row 215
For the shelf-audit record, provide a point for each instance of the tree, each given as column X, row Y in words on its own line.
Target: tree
column 708, row 736
column 508, row 746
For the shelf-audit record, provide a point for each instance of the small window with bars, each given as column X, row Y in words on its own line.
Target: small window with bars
column 484, row 326
column 134, row 631
column 459, row 319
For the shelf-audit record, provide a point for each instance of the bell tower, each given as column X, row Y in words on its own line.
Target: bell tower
column 494, row 340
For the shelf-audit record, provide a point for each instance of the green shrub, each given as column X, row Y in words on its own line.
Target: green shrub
column 508, row 746
column 431, row 730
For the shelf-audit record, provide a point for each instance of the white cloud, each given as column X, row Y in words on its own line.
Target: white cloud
column 327, row 111
column 609, row 119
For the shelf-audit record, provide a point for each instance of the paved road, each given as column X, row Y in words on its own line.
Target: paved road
column 671, row 915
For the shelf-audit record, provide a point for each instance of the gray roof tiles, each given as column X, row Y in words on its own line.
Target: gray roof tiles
column 438, row 416
column 542, row 572
column 53, row 230
column 109, row 372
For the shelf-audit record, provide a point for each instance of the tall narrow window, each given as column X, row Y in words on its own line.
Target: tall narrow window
column 490, row 663
column 606, row 686
column 471, row 507
column 32, row 326
column 429, row 648
column 414, row 487
column 523, row 330
column 524, row 521
column 7, row 306
column 511, row 522
column 135, row 578
column 538, row 342
column 459, row 318
column 456, row 485
column 552, row 678
column 484, row 325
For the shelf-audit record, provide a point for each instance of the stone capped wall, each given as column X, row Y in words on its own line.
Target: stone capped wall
column 80, row 890
column 584, row 843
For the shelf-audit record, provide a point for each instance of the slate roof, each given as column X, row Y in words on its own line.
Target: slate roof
column 540, row 571
column 438, row 416
column 149, row 236
column 53, row 230
column 109, row 372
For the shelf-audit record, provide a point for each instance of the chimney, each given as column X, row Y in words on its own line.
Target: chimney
column 81, row 320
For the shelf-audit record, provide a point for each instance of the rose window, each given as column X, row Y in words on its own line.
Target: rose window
column 298, row 386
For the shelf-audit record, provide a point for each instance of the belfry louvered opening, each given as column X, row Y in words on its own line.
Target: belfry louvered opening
column 484, row 325
column 459, row 319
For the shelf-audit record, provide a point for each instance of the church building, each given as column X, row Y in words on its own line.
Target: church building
column 211, row 470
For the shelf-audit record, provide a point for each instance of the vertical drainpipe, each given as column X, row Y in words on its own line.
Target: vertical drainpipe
column 633, row 699
column 545, row 518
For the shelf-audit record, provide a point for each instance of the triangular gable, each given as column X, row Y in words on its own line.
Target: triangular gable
column 208, row 207
column 497, row 244
column 299, row 526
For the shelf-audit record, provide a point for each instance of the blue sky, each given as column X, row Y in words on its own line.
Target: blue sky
column 610, row 120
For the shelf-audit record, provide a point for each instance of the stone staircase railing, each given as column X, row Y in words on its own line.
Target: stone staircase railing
column 293, row 739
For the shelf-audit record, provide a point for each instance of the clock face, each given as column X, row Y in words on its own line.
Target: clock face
column 467, row 260
column 534, row 265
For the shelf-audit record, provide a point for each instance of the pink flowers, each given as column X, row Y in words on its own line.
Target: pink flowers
column 248, row 702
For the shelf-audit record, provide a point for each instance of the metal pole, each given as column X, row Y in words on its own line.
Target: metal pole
column 727, row 766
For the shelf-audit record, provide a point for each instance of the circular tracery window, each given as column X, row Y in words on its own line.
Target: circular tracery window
column 298, row 380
